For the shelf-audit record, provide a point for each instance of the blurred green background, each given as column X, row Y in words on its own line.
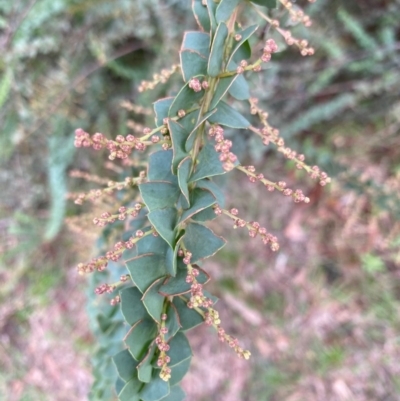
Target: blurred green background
column 321, row 317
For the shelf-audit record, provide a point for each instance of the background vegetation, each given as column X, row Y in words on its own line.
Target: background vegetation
column 321, row 316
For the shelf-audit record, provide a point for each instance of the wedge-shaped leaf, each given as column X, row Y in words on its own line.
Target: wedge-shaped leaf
column 188, row 318
column 140, row 336
column 145, row 367
column 126, row 365
column 217, row 50
column 131, row 305
column 266, row 3
column 201, row 241
column 214, row 189
column 156, row 389
column 178, row 137
column 190, row 120
column 192, row 136
column 177, row 285
column 243, row 44
column 119, row 385
column 152, row 244
column 200, row 199
column 176, row 394
column 228, row 116
column 179, row 349
column 185, row 99
column 205, row 215
column 131, row 390
column 161, row 108
column 145, row 269
column 172, row 258
column 222, row 88
column 164, row 221
column 183, row 176
column 179, row 371
column 240, row 88
column 225, row 9
column 172, row 322
column 193, row 64
column 197, row 41
column 153, row 301
column 159, row 194
column 160, row 167
column 212, row 9
column 201, row 15
column 208, row 163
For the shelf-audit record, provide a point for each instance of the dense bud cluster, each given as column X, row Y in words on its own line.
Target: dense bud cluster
column 253, row 227
column 223, row 147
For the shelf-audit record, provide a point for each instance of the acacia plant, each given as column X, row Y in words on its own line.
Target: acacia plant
column 171, row 200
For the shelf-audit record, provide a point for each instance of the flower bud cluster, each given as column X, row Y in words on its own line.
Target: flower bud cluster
column 223, row 147
column 163, row 358
column 104, row 288
column 297, row 15
column 95, row 194
column 253, row 227
column 101, row 262
column 197, row 298
column 88, row 177
column 115, row 301
column 107, row 218
column 162, row 78
column 120, row 148
column 269, row 135
column 297, row 195
column 269, row 48
column 196, row 85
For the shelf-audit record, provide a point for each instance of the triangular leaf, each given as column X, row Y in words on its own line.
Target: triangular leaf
column 140, row 337
column 212, row 9
column 201, row 15
column 152, row 244
column 225, row 9
column 245, row 35
column 240, row 88
column 126, row 365
column 131, row 305
column 130, row 392
column 222, row 88
column 189, row 318
column 214, row 189
column 200, row 199
column 145, row 269
column 185, row 99
column 172, row 322
column 160, row 167
column 178, row 137
column 192, row 136
column 183, row 176
column 177, row 285
column 145, row 367
column 159, row 194
column 179, row 371
column 197, row 41
column 153, row 301
column 201, row 241
column 208, row 163
column 176, row 394
column 193, row 64
column 155, row 390
column 164, row 221
column 217, row 50
column 179, row 349
column 205, row 215
column 161, row 108
column 228, row 116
